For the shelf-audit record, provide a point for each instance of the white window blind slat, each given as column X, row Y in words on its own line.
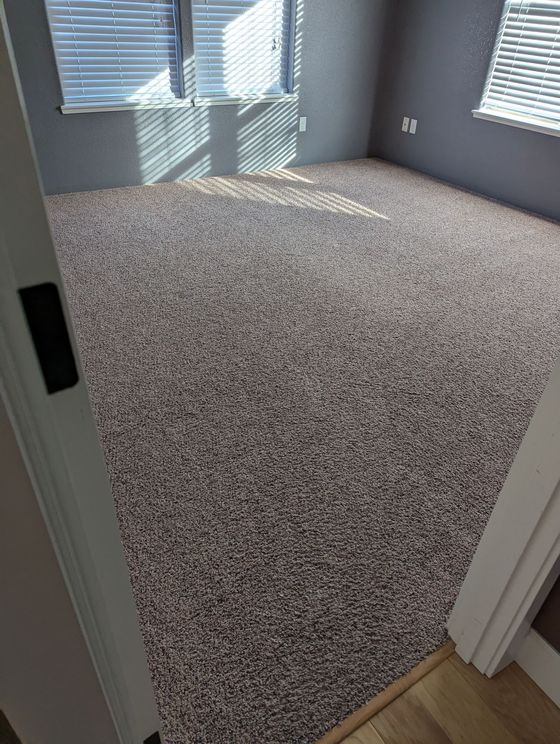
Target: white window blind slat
column 550, row 89
column 524, row 76
column 519, row 98
column 536, row 71
column 242, row 47
column 115, row 50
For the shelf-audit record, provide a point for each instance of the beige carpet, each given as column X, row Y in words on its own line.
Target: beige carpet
column 309, row 386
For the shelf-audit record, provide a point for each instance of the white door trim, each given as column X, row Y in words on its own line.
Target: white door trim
column 58, row 437
column 542, row 663
column 517, row 559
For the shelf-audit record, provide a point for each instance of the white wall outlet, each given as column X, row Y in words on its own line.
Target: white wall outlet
column 303, row 123
column 405, row 123
column 412, row 128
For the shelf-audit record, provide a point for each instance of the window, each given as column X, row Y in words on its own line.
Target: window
column 242, row 47
column 119, row 51
column 523, row 85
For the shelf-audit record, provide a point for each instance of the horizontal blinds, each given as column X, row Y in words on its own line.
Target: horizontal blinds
column 115, row 50
column 525, row 75
column 241, row 46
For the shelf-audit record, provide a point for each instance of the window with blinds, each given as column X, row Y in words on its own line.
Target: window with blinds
column 524, row 77
column 242, row 47
column 115, row 50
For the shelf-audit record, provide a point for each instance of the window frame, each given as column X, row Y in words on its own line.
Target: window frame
column 77, row 107
column 289, row 95
column 188, row 97
column 506, row 116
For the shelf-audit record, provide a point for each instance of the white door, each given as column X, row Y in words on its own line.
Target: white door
column 45, row 396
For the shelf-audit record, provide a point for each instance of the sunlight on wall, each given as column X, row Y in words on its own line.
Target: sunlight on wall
column 301, row 197
column 176, row 143
column 270, row 139
column 170, row 140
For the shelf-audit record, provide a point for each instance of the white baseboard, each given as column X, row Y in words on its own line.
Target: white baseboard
column 542, row 663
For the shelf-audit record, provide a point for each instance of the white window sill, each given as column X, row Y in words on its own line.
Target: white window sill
column 89, row 108
column 518, row 120
column 240, row 100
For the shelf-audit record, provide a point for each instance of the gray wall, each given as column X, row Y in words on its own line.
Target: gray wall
column 435, row 59
column 340, row 57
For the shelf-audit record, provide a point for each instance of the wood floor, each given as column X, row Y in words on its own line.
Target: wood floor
column 455, row 704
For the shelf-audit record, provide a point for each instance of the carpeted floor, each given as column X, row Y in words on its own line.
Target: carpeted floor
column 309, row 386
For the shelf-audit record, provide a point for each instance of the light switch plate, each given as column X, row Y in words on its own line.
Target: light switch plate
column 405, row 122
column 303, row 123
column 412, row 128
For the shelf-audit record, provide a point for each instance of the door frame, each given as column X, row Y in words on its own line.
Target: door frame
column 518, row 558
column 58, row 439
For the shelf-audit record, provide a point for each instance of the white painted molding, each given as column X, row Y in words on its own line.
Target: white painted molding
column 517, row 558
column 242, row 100
column 58, row 439
column 542, row 663
column 177, row 103
column 518, row 120
column 95, row 108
